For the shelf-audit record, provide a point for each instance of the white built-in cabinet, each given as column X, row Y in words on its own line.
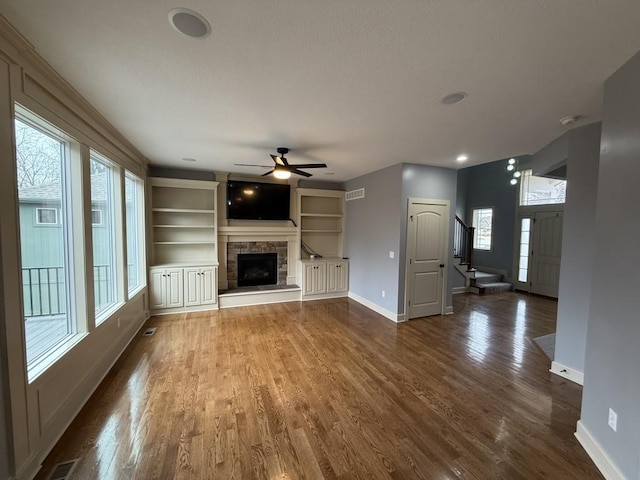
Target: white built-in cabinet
column 321, row 224
column 183, row 274
column 200, row 284
column 325, row 278
column 166, row 288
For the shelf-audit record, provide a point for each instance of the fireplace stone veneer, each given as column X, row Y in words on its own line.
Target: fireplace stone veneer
column 234, row 248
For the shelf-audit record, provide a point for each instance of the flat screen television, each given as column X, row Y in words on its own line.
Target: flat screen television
column 257, row 201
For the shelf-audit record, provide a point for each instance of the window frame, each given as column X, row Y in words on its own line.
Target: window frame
column 477, row 229
column 115, row 235
column 525, row 182
column 71, row 169
column 38, row 220
column 101, row 222
column 140, row 234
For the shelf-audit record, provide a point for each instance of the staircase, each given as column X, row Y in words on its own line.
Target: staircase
column 481, row 283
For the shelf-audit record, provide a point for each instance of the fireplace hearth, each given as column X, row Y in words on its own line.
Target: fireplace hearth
column 257, row 269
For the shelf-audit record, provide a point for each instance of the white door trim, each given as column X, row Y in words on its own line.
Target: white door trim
column 447, row 251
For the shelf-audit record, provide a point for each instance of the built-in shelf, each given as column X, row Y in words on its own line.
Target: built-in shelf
column 184, row 221
column 210, row 227
column 184, row 243
column 331, row 215
column 184, row 210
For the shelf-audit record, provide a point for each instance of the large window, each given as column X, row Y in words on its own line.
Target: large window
column 541, row 190
column 483, row 224
column 104, row 235
column 133, row 195
column 42, row 168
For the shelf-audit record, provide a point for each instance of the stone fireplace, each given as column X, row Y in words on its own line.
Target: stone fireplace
column 257, row 253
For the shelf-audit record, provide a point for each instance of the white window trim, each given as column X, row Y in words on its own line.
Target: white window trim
column 100, row 223
column 39, row 209
column 132, row 291
column 473, row 210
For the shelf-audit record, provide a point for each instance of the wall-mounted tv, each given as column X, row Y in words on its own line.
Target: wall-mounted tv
column 257, row 201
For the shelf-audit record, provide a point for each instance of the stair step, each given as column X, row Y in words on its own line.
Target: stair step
column 492, row 287
column 483, row 278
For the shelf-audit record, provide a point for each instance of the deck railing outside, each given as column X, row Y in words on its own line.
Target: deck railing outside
column 44, row 289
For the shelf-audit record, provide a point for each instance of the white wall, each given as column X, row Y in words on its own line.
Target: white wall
column 41, row 410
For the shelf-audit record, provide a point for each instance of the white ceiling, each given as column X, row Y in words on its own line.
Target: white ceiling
column 353, row 83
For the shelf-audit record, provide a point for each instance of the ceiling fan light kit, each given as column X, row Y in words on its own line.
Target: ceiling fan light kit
column 283, row 169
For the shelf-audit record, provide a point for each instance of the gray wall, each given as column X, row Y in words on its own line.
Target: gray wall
column 613, row 336
column 577, row 245
column 422, row 181
column 5, row 438
column 551, row 157
column 372, row 230
column 488, row 185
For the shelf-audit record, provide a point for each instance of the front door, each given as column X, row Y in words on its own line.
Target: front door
column 545, row 254
column 426, row 249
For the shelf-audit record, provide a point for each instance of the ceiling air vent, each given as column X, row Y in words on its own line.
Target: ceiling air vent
column 354, row 194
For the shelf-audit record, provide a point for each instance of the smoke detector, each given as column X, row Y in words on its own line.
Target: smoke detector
column 571, row 119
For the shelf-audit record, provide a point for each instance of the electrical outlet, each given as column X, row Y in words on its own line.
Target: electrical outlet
column 392, row 254
column 119, row 322
column 384, row 294
column 613, row 420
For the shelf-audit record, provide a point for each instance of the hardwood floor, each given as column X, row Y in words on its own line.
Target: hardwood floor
column 329, row 389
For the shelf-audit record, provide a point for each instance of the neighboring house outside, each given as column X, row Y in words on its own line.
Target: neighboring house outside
column 41, row 216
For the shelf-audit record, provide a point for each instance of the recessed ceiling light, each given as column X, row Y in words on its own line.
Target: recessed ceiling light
column 189, row 23
column 462, row 158
column 454, row 98
column 189, row 159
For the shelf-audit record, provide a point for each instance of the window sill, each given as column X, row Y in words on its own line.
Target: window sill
column 39, row 366
column 136, row 291
column 105, row 314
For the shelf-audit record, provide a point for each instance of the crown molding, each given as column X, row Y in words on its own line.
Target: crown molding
column 25, row 55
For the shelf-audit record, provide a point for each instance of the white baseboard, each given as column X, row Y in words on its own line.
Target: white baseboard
column 448, row 310
column 394, row 317
column 567, row 372
column 457, row 290
column 599, row 456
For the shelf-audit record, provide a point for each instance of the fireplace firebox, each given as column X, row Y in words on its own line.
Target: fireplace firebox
column 257, row 269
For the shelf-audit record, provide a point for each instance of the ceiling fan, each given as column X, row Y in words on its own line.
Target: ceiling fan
column 282, row 168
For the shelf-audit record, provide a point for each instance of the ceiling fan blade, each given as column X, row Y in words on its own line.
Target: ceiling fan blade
column 268, row 173
column 251, row 165
column 279, row 161
column 309, row 165
column 300, row 172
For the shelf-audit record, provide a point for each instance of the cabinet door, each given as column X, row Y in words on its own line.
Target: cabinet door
column 342, row 277
column 175, row 287
column 320, row 278
column 208, row 285
column 308, row 284
column 157, row 287
column 332, row 277
column 191, row 287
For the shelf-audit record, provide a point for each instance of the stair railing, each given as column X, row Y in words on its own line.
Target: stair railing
column 463, row 243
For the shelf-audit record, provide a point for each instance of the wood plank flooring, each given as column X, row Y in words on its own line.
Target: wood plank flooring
column 330, row 389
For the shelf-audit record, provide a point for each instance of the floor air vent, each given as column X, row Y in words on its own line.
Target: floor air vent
column 63, row 471
column 150, row 331
column 354, row 194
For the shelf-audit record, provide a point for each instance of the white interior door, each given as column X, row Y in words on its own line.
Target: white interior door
column 426, row 247
column 545, row 254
